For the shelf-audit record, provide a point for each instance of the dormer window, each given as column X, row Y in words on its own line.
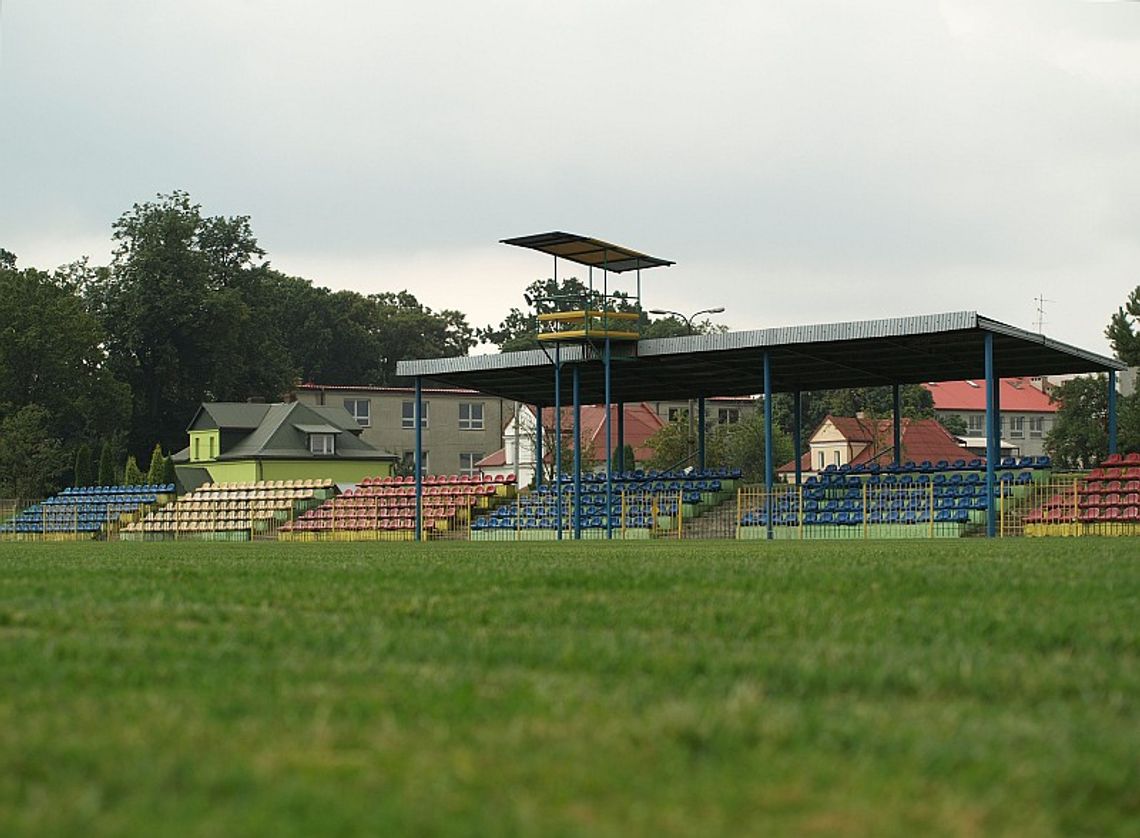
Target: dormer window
column 322, row 443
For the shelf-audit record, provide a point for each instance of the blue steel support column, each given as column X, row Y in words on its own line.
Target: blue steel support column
column 609, row 448
column 701, row 433
column 768, row 470
column 797, row 437
column 558, row 439
column 418, row 460
column 621, row 437
column 537, row 445
column 577, row 450
column 897, row 423
column 1112, row 411
column 993, row 448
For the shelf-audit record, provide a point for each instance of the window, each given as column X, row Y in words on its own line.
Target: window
column 1036, row 425
column 467, row 462
column 212, row 453
column 835, row 457
column 976, row 421
column 471, row 416
column 360, row 410
column 821, row 461
column 322, row 443
column 408, row 415
column 408, row 463
column 727, row 415
column 197, row 448
column 678, row 414
column 1017, row 426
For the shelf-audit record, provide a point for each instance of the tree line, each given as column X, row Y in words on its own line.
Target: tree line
column 115, row 358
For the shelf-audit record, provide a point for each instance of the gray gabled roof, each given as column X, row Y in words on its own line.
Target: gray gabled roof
column 283, row 432
column 903, row 350
column 241, row 416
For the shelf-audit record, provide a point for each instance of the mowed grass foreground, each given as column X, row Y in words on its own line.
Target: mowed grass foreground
column 602, row 689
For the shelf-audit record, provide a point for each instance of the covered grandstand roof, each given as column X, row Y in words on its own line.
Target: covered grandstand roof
column 865, row 353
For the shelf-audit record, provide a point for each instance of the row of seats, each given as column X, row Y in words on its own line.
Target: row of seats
column 1110, row 493
column 1130, row 459
column 88, row 509
column 440, row 480
column 388, row 503
column 409, row 490
column 833, row 479
column 858, row 517
column 927, row 467
column 650, row 475
column 243, row 507
column 97, row 491
column 1115, row 473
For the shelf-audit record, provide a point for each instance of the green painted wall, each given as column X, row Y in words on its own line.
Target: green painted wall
column 340, row 471
column 204, row 445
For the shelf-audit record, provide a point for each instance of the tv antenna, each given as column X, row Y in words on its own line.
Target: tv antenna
column 1041, row 299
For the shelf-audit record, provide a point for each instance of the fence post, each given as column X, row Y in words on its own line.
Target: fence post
column 866, row 514
column 1078, row 529
column 680, row 514
column 930, row 506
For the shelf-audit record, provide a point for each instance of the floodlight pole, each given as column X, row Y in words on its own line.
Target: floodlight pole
column 992, row 445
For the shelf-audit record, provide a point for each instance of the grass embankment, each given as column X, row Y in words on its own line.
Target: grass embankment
column 881, row 688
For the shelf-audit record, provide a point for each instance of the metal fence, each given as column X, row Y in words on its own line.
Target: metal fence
column 60, row 521
column 633, row 515
column 1068, row 505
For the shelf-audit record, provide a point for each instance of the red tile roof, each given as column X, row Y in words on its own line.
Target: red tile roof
column 641, row 422
column 924, row 439
column 1015, row 395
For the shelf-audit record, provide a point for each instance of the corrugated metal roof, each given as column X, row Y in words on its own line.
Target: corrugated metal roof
column 902, row 350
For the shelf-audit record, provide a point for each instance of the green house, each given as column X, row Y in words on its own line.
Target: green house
column 236, row 442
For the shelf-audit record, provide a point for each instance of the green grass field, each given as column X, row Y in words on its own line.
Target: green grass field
column 951, row 688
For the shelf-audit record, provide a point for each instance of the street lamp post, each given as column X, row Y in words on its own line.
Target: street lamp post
column 688, row 331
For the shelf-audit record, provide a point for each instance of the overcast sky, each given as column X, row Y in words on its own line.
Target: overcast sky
column 802, row 161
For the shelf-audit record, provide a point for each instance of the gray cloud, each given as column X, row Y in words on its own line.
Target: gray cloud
column 801, row 161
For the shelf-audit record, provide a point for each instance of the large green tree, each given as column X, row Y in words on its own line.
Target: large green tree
column 1123, row 332
column 180, row 309
column 739, row 445
column 1079, row 437
column 33, row 460
column 52, row 356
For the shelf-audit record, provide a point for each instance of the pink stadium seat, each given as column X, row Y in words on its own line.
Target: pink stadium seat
column 1133, row 458
column 1112, row 459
